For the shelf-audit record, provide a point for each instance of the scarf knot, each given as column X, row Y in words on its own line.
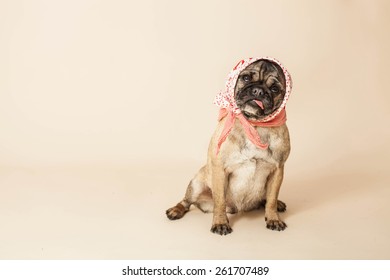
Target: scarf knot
column 248, row 126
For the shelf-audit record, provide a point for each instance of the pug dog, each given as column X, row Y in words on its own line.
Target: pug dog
column 248, row 150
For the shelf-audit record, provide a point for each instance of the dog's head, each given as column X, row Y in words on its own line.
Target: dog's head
column 260, row 89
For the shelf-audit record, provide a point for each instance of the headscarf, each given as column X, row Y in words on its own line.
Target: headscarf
column 226, row 101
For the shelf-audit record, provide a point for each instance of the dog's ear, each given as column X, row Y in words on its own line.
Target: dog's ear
column 280, row 75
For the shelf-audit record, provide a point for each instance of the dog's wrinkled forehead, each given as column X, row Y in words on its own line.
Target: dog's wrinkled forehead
column 264, row 72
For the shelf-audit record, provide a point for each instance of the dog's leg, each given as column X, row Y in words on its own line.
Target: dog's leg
column 197, row 193
column 220, row 181
column 273, row 186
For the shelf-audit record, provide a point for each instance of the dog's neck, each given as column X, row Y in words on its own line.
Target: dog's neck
column 248, row 126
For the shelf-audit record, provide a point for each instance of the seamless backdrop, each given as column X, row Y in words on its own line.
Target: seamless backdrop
column 106, row 112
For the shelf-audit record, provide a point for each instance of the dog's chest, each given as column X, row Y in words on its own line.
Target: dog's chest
column 249, row 168
column 248, row 156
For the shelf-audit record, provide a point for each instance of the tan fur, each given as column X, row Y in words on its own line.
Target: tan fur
column 242, row 177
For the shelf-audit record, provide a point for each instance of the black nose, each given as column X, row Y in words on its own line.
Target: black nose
column 257, row 91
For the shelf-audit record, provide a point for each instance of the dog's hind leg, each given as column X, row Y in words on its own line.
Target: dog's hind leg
column 198, row 193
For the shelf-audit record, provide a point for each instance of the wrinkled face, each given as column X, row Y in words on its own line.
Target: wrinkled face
column 260, row 89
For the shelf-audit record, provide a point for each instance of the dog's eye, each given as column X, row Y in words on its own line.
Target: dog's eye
column 274, row 89
column 246, row 78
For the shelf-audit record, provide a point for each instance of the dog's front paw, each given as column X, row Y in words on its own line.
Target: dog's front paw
column 276, row 225
column 222, row 229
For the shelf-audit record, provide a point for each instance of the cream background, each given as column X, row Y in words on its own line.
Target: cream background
column 106, row 113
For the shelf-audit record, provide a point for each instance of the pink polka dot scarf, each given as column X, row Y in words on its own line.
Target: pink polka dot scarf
column 225, row 100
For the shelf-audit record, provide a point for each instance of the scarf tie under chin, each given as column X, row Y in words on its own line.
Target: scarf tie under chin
column 248, row 126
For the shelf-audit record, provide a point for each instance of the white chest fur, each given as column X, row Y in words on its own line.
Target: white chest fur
column 249, row 167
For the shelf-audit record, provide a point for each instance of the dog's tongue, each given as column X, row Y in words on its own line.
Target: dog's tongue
column 259, row 103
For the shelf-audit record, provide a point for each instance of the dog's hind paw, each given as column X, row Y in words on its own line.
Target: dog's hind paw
column 281, row 206
column 176, row 212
